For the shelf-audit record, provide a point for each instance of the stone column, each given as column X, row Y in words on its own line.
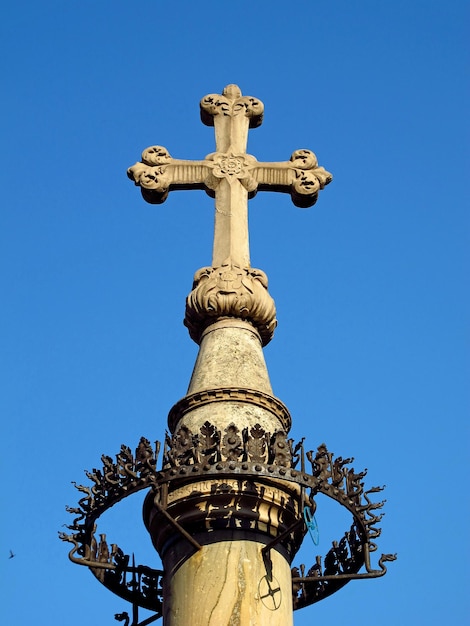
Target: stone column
column 225, row 584
column 228, row 581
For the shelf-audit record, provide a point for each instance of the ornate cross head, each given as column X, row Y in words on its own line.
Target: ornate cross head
column 230, row 174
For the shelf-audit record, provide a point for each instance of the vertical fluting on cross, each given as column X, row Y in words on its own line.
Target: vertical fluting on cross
column 232, row 115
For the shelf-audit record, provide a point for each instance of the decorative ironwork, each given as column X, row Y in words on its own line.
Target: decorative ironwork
column 254, row 454
column 129, row 474
column 243, row 479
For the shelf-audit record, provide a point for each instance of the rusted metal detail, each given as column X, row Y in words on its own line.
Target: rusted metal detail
column 346, row 557
column 231, row 468
column 231, row 479
column 141, row 585
column 230, row 394
column 124, row 617
column 239, row 505
column 252, row 459
column 176, row 525
column 279, row 539
column 128, row 474
column 341, row 565
column 254, row 445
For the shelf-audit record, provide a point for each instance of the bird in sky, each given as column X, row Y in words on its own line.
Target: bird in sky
column 11, row 554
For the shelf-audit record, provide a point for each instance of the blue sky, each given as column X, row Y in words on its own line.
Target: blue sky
column 371, row 284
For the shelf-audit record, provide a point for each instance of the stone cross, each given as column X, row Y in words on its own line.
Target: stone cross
column 230, row 174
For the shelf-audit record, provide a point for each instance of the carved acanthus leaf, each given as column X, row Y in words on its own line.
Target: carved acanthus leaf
column 230, row 291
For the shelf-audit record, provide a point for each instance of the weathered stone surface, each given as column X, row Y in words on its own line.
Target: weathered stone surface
column 225, row 584
column 230, row 355
column 231, row 369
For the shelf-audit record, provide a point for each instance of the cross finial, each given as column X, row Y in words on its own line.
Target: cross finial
column 230, row 288
column 230, row 174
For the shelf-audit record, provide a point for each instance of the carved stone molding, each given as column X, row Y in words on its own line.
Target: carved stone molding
column 230, row 394
column 230, row 291
column 252, row 506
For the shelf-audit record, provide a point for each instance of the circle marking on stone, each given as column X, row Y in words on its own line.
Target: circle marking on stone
column 270, row 593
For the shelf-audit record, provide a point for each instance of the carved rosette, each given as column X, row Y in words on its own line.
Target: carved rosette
column 230, row 291
column 231, row 167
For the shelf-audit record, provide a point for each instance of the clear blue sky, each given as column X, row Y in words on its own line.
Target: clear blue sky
column 371, row 284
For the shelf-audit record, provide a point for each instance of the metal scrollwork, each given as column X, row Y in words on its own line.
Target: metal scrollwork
column 252, row 453
column 347, row 556
column 129, row 474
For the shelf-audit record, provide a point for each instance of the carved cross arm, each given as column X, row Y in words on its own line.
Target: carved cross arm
column 158, row 173
column 301, row 176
